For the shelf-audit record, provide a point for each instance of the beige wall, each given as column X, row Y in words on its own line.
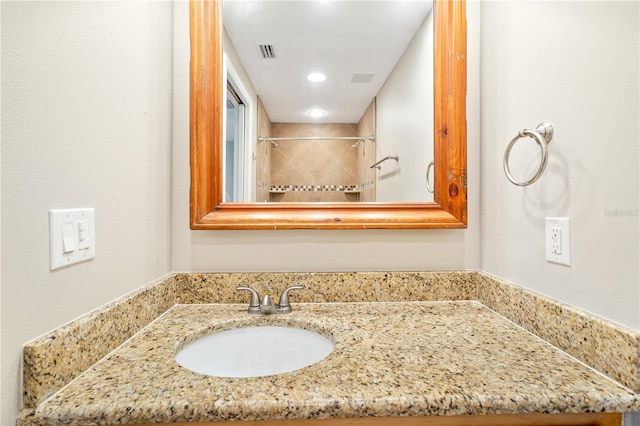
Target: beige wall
column 86, row 122
column 575, row 64
column 308, row 250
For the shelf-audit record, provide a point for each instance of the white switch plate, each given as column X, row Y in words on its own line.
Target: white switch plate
column 558, row 240
column 77, row 250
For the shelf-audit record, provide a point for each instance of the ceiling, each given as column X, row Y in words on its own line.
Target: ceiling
column 338, row 38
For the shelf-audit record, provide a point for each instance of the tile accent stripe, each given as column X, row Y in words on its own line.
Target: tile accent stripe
column 317, row 188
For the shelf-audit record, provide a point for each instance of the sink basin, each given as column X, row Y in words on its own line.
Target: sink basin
column 254, row 351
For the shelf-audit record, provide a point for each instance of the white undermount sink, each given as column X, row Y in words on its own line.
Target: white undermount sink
column 254, row 351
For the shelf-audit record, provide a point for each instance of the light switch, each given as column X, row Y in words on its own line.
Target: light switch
column 84, row 239
column 68, row 242
column 72, row 236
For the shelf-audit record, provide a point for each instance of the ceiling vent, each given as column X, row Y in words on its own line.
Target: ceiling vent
column 362, row 78
column 268, row 52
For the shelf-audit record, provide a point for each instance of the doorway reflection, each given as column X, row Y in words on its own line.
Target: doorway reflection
column 235, row 147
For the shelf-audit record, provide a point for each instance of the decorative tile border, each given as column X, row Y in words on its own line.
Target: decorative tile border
column 53, row 360
column 317, row 188
column 610, row 348
column 314, row 188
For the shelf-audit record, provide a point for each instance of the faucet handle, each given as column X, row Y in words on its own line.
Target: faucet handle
column 254, row 305
column 284, row 306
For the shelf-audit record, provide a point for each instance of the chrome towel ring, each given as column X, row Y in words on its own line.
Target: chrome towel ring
column 542, row 135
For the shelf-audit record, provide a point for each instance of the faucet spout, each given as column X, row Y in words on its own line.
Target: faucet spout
column 267, row 306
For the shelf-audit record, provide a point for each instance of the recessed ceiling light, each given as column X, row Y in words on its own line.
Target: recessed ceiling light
column 316, row 77
column 316, row 113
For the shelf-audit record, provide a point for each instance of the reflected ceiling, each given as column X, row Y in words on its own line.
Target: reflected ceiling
column 356, row 44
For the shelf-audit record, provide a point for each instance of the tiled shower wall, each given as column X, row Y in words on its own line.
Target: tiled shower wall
column 318, row 170
column 300, row 166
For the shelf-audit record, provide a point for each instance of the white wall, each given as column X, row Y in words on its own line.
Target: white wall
column 314, row 250
column 574, row 64
column 86, row 122
column 241, row 81
column 404, row 122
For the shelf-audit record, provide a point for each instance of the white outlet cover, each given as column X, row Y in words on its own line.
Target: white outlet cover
column 564, row 224
column 80, row 252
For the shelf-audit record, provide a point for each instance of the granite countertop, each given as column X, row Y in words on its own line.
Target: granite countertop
column 390, row 359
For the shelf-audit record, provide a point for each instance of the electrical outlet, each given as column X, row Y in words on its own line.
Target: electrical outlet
column 557, row 240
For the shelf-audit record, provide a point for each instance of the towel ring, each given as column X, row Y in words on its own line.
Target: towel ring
column 429, row 187
column 542, row 135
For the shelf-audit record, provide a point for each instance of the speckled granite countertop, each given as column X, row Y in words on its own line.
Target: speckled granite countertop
column 390, row 359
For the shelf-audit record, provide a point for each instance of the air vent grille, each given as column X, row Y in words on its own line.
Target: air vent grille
column 362, row 78
column 268, row 52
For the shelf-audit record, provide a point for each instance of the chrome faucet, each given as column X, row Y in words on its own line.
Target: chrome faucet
column 267, row 306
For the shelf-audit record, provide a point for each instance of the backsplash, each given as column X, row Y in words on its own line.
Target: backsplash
column 606, row 346
column 53, row 360
column 330, row 287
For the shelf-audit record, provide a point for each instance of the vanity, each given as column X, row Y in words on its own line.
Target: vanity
column 441, row 359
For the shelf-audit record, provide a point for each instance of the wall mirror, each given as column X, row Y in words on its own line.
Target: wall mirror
column 209, row 99
column 339, row 91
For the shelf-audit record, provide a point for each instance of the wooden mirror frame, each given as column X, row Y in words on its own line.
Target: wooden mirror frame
column 449, row 210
